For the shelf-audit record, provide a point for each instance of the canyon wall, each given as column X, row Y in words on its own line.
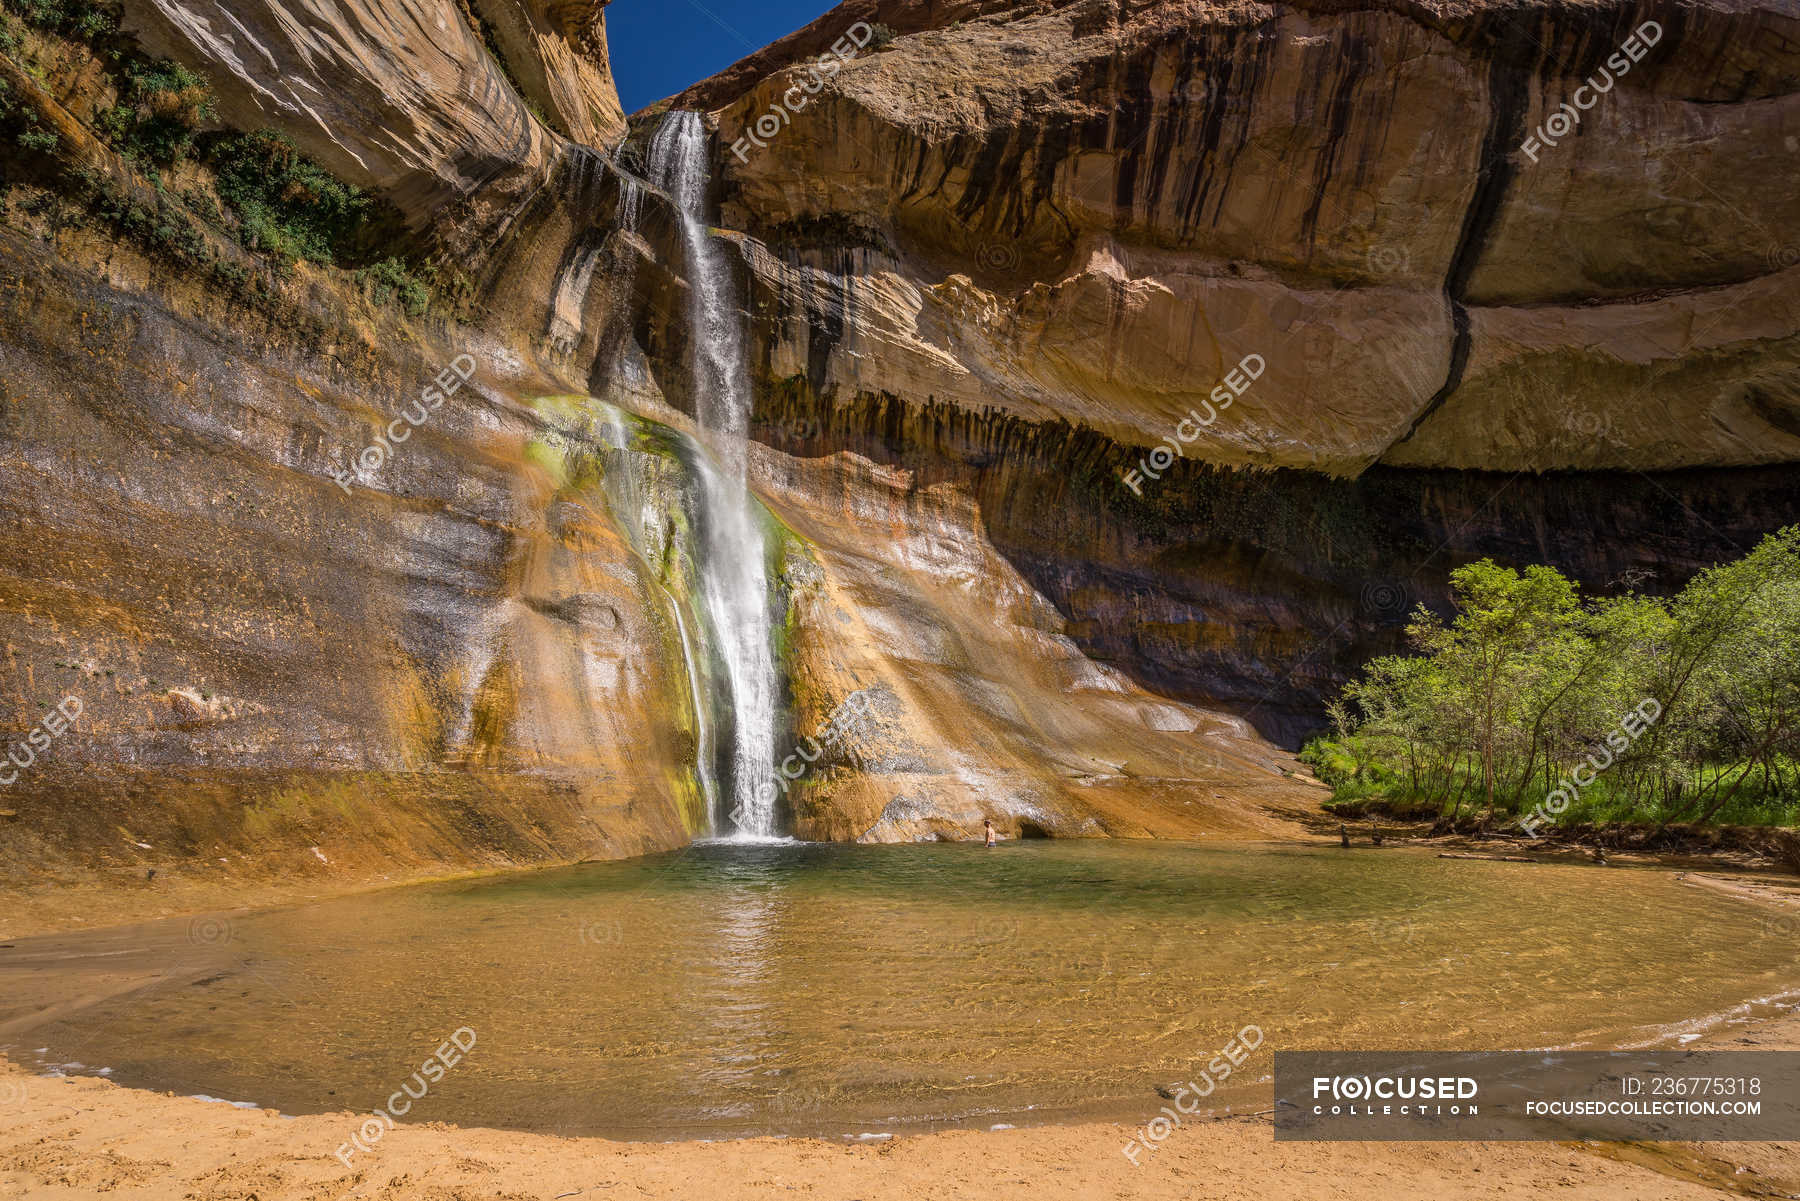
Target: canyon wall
column 456, row 115
column 990, row 263
column 1024, row 246
column 346, row 593
column 1062, row 212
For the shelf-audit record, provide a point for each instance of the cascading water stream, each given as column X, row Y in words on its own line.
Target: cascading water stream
column 647, row 532
column 734, row 577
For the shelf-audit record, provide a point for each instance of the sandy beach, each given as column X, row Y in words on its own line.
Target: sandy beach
column 86, row 1138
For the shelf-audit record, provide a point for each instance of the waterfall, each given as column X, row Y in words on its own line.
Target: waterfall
column 703, row 750
column 734, row 576
column 631, row 201
column 575, row 277
column 643, row 526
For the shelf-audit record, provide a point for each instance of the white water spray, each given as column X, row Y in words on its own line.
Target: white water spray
column 734, row 577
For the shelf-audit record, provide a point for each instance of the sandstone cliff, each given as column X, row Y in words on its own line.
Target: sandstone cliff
column 1020, row 244
column 453, row 113
column 988, row 264
column 1091, row 213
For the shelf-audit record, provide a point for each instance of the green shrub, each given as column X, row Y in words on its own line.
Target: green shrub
column 275, row 200
column 204, row 206
column 286, row 204
column 33, row 138
column 1329, row 761
column 1505, row 706
column 162, row 107
column 389, row 279
column 80, row 19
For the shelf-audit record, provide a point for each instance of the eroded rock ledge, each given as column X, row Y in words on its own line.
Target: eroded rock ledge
column 1089, row 212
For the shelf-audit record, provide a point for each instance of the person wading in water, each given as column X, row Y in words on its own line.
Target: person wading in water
column 987, row 824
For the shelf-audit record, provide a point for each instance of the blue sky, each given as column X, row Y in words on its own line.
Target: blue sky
column 660, row 47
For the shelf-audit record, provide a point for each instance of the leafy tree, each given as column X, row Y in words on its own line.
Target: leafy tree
column 1527, row 681
column 1492, row 654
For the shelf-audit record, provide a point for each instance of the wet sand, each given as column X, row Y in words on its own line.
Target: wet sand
column 82, row 1138
column 87, row 1138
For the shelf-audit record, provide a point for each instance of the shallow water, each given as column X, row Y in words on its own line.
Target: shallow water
column 834, row 989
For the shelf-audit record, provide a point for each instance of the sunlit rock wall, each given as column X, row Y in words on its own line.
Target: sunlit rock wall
column 1089, row 213
column 1020, row 248
column 985, row 269
column 426, row 102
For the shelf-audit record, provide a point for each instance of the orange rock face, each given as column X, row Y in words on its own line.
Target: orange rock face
column 986, row 269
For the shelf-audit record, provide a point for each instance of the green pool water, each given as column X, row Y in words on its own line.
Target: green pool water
column 843, row 990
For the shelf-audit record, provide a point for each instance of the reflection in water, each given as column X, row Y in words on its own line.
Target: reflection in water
column 833, row 989
column 738, row 1003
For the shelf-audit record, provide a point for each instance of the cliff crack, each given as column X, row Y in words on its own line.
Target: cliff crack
column 1508, row 93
